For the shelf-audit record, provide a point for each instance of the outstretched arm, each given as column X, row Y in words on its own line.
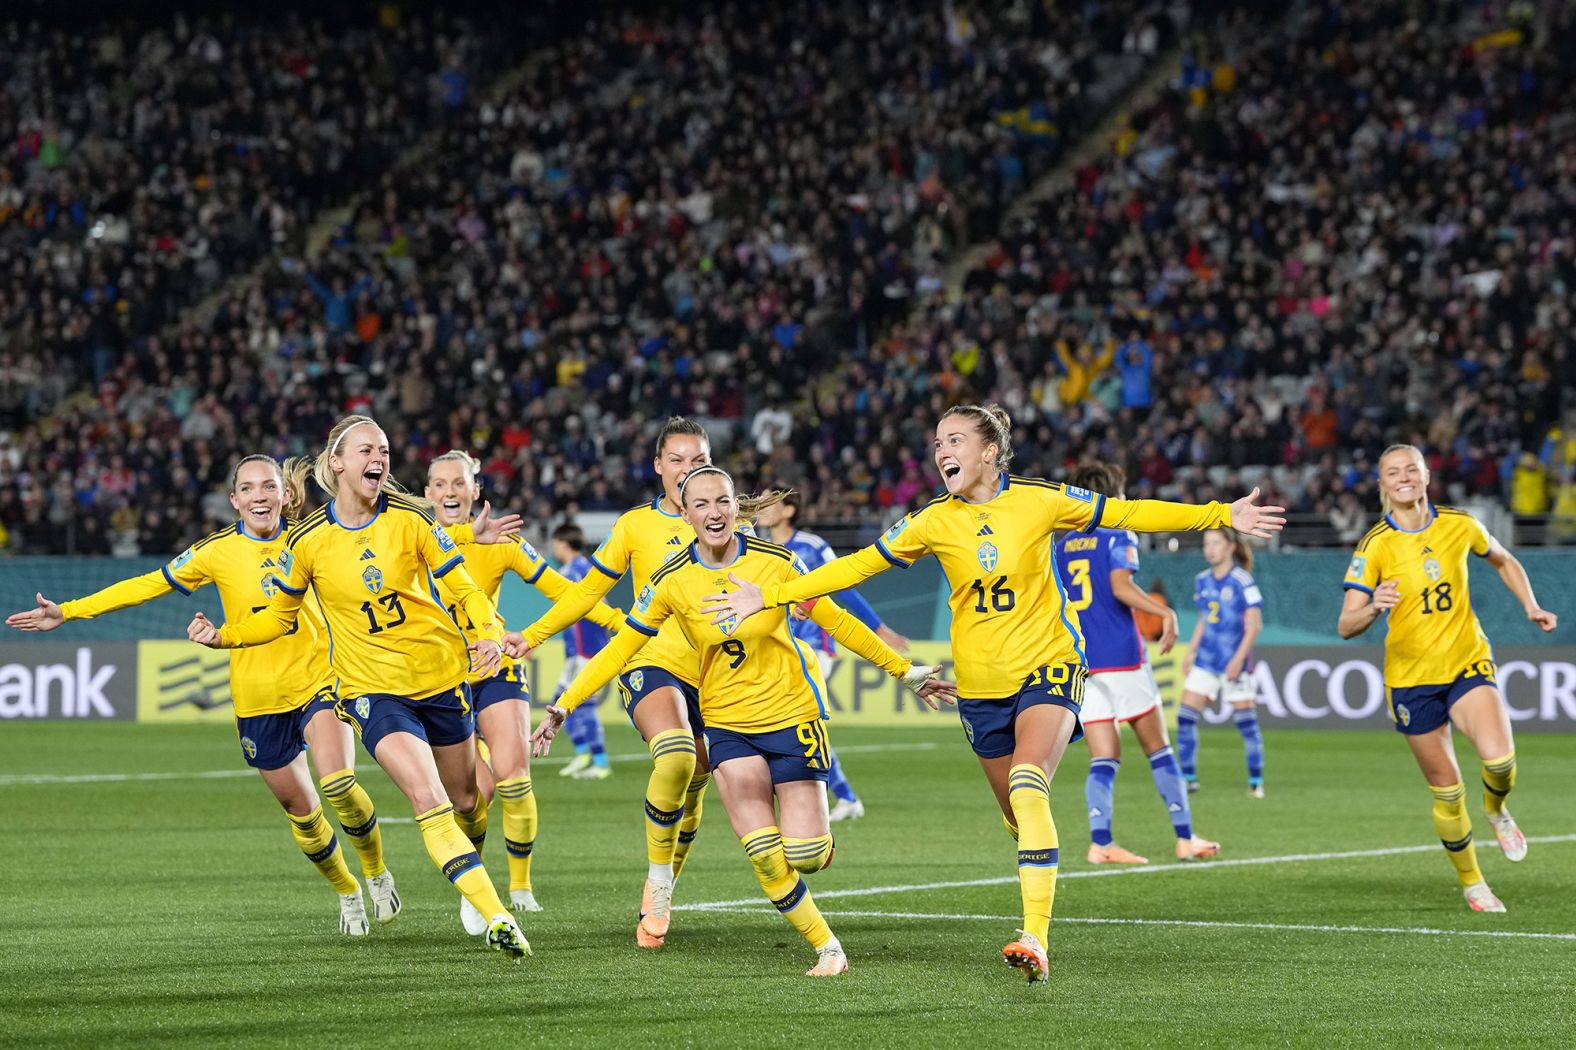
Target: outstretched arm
column 557, row 589
column 120, row 595
column 1153, row 515
column 273, row 620
column 604, row 666
column 1514, row 575
column 838, row 575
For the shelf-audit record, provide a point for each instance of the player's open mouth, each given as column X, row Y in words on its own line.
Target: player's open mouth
column 373, row 474
column 260, row 510
column 716, row 530
column 951, row 470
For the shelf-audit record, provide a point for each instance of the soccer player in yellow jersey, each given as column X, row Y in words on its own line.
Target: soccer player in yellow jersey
column 501, row 701
column 283, row 693
column 1438, row 666
column 1016, row 645
column 371, row 555
column 659, row 689
column 761, row 696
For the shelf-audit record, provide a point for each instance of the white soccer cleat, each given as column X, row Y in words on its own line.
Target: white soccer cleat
column 1511, row 841
column 829, row 960
column 846, row 810
column 474, row 921
column 385, row 898
column 594, row 772
column 523, row 900
column 352, row 915
column 504, row 935
column 1028, row 957
column 1481, row 898
column 576, row 764
column 1255, row 790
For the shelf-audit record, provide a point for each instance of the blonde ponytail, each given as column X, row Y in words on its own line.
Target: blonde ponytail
column 295, row 473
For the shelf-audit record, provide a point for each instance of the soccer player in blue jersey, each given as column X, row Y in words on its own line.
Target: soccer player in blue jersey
column 778, row 522
column 1097, row 571
column 1220, row 655
column 582, row 641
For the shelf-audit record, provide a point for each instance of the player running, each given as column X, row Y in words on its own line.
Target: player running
column 582, row 641
column 778, row 521
column 502, row 700
column 371, row 555
column 1219, row 662
column 1097, row 570
column 1017, row 648
column 761, row 695
column 283, row 694
column 1438, row 666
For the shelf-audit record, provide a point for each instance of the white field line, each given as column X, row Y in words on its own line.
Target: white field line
column 22, row 779
column 1419, row 931
column 1136, row 869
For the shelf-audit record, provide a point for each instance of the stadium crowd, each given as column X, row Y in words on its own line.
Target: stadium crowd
column 747, row 217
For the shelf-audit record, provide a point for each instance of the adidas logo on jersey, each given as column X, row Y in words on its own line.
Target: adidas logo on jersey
column 675, row 542
column 985, row 531
column 1427, row 549
column 367, row 554
column 268, row 563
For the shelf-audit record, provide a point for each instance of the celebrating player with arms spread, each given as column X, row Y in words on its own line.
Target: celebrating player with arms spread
column 1016, row 647
column 761, row 697
column 1438, row 667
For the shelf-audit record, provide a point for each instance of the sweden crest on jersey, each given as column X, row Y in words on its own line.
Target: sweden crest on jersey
column 987, row 555
column 637, row 680
column 249, row 746
column 727, row 626
column 1432, row 570
column 270, row 585
column 372, row 576
column 363, row 708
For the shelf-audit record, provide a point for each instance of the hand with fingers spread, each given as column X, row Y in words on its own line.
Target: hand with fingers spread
column 44, row 618
column 488, row 529
column 743, row 603
column 926, row 683
column 486, row 656
column 203, row 632
column 542, row 739
column 1250, row 519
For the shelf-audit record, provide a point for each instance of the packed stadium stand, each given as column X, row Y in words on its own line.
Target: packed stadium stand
column 536, row 244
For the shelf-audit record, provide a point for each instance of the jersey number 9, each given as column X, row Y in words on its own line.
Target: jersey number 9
column 735, row 650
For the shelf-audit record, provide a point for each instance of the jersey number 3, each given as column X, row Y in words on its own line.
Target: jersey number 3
column 1080, row 594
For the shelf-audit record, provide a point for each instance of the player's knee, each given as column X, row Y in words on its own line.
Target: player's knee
column 809, row 855
column 673, row 755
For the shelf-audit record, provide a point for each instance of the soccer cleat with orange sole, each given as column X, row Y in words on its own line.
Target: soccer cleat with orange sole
column 656, row 904
column 1481, row 898
column 1196, row 848
column 829, row 961
column 1511, row 841
column 1113, row 854
column 1027, row 956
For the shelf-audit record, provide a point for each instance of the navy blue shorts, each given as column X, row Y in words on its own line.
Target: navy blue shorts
column 634, row 686
column 1419, row 709
column 273, row 741
column 800, row 752
column 988, row 723
column 508, row 684
column 440, row 720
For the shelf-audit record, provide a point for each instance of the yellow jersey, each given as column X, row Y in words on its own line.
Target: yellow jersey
column 755, row 676
column 388, row 632
column 1432, row 636
column 1010, row 616
column 488, row 563
column 641, row 541
column 267, row 681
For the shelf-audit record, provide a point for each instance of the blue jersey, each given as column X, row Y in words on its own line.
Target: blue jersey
column 1224, row 604
column 815, row 553
column 1085, row 562
column 583, row 638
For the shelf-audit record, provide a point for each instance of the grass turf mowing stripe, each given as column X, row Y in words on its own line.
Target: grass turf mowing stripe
column 1136, row 869
column 1419, row 931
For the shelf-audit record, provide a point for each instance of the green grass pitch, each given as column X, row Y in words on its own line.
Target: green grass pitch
column 176, row 911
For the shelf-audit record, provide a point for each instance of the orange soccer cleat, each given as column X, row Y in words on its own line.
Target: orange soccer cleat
column 1196, row 848
column 1028, row 957
column 1114, row 854
column 656, row 904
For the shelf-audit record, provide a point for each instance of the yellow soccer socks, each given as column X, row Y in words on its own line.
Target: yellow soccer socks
column 672, row 769
column 807, row 856
column 694, row 800
column 1029, row 792
column 784, row 887
column 1499, row 776
column 519, row 828
column 457, row 858
column 1455, row 831
column 357, row 818
column 317, row 841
